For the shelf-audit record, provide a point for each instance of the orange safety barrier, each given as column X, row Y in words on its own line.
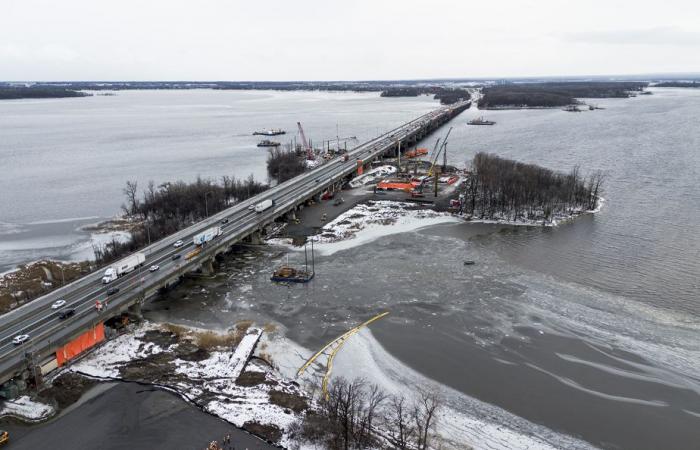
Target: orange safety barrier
column 78, row 345
column 390, row 185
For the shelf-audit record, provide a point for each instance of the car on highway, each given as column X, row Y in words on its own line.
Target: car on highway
column 224, row 221
column 153, row 268
column 58, row 303
column 112, row 290
column 178, row 244
column 66, row 313
column 251, row 207
column 20, row 339
column 177, row 256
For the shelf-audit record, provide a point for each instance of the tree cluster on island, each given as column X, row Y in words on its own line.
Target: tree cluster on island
column 20, row 92
column 503, row 189
column 165, row 209
column 447, row 96
column 284, row 164
column 679, row 84
column 554, row 94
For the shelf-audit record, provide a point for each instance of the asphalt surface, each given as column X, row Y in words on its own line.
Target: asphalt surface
column 130, row 416
column 47, row 331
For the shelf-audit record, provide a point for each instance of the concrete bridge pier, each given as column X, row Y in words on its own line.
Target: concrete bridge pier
column 135, row 310
column 256, row 238
column 208, row 267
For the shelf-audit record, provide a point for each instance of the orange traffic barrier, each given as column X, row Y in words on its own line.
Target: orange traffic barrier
column 78, row 345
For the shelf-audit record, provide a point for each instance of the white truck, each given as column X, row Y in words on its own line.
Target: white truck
column 206, row 235
column 263, row 205
column 123, row 267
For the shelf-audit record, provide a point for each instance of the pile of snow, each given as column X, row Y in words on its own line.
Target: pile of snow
column 106, row 361
column 26, row 408
column 372, row 175
column 367, row 222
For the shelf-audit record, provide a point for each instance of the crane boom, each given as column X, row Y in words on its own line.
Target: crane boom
column 305, row 143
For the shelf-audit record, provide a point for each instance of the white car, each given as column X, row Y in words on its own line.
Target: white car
column 20, row 339
column 57, row 304
column 251, row 207
column 153, row 268
column 178, row 244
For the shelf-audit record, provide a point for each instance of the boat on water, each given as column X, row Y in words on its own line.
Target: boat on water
column 481, row 121
column 271, row 132
column 268, row 143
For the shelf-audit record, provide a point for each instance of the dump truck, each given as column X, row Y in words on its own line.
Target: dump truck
column 206, row 235
column 263, row 205
column 123, row 267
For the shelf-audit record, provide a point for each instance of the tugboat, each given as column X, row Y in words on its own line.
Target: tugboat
column 268, row 143
column 289, row 274
column 480, row 121
column 272, row 132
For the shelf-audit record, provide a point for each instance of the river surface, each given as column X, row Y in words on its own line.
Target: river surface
column 66, row 161
column 588, row 333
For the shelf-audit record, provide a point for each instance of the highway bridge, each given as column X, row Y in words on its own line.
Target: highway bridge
column 47, row 332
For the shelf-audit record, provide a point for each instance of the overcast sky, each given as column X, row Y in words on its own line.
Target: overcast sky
column 343, row 40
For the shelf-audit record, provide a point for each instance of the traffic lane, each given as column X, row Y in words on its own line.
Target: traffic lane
column 128, row 415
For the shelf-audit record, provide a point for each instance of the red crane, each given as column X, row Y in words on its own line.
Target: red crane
column 305, row 144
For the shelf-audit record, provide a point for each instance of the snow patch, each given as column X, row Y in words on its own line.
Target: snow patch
column 26, row 408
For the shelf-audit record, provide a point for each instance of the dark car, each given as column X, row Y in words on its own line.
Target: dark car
column 177, row 256
column 66, row 313
column 112, row 290
column 224, row 221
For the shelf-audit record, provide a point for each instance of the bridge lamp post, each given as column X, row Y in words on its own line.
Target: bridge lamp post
column 206, row 208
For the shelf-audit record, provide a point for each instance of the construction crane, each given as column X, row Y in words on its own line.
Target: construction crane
column 305, row 144
column 434, row 159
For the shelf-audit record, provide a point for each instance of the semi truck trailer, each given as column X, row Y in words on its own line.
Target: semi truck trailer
column 263, row 205
column 123, row 267
column 206, row 235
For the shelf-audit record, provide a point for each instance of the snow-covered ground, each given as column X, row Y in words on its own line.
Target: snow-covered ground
column 210, row 382
column 367, row 222
column 26, row 408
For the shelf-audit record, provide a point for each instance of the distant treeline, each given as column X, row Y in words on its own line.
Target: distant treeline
column 170, row 207
column 447, row 96
column 680, row 84
column 18, row 92
column 283, row 165
column 554, row 94
column 500, row 188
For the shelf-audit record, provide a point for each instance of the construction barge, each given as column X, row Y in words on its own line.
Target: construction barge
column 272, row 132
column 289, row 274
column 481, row 121
column 268, row 143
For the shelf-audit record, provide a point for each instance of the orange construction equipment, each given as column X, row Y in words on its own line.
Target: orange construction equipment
column 78, row 345
column 360, row 167
column 416, row 153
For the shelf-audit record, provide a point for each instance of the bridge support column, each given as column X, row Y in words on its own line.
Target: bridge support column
column 256, row 238
column 208, row 267
column 135, row 310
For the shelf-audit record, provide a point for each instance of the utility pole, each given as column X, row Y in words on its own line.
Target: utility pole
column 436, row 175
column 399, row 157
column 444, row 159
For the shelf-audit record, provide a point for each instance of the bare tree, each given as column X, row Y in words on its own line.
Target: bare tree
column 425, row 416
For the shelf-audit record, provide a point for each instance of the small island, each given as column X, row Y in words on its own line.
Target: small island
column 553, row 95
column 679, row 84
column 447, row 96
column 9, row 92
